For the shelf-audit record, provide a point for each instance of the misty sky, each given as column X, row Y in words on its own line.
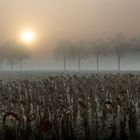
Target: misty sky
column 71, row 19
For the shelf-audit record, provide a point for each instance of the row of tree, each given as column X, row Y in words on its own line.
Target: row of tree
column 118, row 45
column 12, row 53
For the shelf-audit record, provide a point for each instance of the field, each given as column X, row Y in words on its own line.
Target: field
column 70, row 105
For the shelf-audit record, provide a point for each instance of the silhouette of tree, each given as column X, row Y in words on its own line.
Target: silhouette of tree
column 22, row 53
column 135, row 44
column 63, row 49
column 2, row 56
column 97, row 48
column 120, row 45
column 10, row 47
column 81, row 51
column 15, row 53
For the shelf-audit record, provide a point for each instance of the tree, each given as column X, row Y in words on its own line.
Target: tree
column 2, row 56
column 10, row 47
column 135, row 44
column 97, row 48
column 120, row 46
column 63, row 49
column 22, row 53
column 15, row 53
column 81, row 51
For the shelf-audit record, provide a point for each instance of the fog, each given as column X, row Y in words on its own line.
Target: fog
column 52, row 20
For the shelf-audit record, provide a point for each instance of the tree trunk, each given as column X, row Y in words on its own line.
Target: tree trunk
column 21, row 65
column 64, row 62
column 11, row 67
column 97, row 59
column 119, row 63
column 79, row 62
column 1, row 67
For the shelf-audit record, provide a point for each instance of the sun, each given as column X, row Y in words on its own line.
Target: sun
column 27, row 36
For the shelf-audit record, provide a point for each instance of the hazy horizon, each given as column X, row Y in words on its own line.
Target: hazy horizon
column 73, row 20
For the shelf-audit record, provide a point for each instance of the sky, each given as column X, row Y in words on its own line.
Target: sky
column 71, row 19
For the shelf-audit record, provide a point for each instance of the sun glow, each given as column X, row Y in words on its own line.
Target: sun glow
column 27, row 36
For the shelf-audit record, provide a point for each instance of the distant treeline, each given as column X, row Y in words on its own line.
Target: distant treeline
column 13, row 53
column 118, row 46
